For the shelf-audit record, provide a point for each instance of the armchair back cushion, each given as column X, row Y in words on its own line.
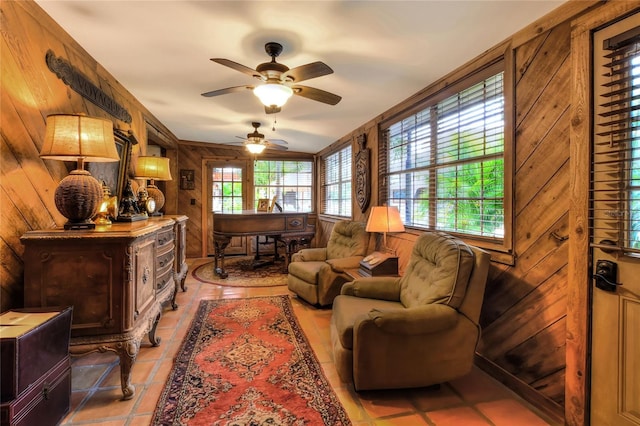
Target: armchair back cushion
column 347, row 239
column 438, row 271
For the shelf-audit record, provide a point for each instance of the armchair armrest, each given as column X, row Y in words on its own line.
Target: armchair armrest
column 383, row 288
column 316, row 254
column 420, row 320
column 340, row 264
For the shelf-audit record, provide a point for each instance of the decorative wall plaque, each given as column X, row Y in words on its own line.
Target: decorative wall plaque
column 363, row 173
column 82, row 85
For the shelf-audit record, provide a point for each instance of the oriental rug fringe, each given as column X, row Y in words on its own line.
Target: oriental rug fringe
column 247, row 362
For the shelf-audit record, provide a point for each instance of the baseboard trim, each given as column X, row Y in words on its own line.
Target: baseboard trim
column 550, row 408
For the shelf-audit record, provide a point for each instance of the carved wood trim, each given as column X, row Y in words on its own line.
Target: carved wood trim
column 363, row 173
column 76, row 80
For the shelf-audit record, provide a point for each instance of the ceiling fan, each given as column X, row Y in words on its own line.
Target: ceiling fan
column 256, row 143
column 279, row 82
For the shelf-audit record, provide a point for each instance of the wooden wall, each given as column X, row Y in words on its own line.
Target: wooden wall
column 525, row 309
column 30, row 92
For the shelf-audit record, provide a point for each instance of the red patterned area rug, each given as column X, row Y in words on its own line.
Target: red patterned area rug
column 242, row 274
column 247, row 362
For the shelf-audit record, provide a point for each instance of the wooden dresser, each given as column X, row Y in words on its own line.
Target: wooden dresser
column 180, row 262
column 116, row 278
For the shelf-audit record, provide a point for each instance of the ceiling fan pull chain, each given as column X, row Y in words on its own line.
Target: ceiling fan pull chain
column 275, row 121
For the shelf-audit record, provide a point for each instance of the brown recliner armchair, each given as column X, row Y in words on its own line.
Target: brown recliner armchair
column 417, row 330
column 317, row 274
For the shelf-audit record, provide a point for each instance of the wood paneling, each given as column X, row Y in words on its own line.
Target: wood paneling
column 524, row 314
column 30, row 92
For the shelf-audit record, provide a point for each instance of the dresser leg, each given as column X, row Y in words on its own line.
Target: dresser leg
column 128, row 353
column 155, row 340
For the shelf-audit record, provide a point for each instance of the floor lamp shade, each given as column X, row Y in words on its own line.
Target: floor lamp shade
column 76, row 137
column 154, row 168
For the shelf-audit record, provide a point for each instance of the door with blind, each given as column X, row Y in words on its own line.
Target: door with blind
column 227, row 190
column 615, row 233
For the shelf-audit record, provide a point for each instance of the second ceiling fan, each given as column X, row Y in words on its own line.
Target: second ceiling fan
column 279, row 81
column 256, row 143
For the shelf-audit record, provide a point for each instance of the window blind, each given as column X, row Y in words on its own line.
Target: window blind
column 615, row 185
column 445, row 163
column 336, row 183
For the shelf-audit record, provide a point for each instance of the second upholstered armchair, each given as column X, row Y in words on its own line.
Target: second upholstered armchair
column 418, row 330
column 317, row 274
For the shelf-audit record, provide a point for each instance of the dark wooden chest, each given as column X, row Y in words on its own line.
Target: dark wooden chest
column 35, row 366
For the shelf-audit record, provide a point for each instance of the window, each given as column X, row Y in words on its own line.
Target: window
column 227, row 189
column 289, row 181
column 445, row 164
column 615, row 189
column 336, row 183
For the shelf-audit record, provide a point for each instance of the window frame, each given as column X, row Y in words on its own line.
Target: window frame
column 345, row 196
column 501, row 59
column 280, row 190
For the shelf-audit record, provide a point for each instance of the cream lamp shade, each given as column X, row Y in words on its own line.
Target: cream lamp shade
column 77, row 137
column 153, row 168
column 384, row 219
column 273, row 94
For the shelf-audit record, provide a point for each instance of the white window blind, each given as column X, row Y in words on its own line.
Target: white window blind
column 615, row 186
column 336, row 183
column 445, row 165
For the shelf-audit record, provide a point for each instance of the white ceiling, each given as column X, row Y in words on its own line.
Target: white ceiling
column 381, row 52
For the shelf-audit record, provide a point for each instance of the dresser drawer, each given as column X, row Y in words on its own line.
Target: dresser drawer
column 165, row 236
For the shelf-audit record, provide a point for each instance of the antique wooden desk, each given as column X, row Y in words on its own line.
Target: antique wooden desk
column 289, row 228
column 116, row 277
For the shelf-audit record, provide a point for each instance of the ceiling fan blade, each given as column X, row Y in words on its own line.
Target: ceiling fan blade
column 308, row 71
column 316, row 94
column 238, row 67
column 278, row 142
column 233, row 89
column 277, row 147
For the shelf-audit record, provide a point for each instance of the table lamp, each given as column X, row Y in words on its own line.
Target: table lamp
column 77, row 137
column 153, row 169
column 384, row 219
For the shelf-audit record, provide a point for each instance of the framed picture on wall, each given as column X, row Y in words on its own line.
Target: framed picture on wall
column 187, row 179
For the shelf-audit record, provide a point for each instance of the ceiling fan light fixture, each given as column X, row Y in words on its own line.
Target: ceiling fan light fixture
column 271, row 94
column 255, row 148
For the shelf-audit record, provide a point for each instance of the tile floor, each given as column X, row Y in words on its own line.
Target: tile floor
column 475, row 400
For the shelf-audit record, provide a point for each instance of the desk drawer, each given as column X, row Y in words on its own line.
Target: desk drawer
column 295, row 223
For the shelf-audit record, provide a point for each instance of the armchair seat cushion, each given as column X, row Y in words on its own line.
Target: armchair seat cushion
column 306, row 271
column 347, row 309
